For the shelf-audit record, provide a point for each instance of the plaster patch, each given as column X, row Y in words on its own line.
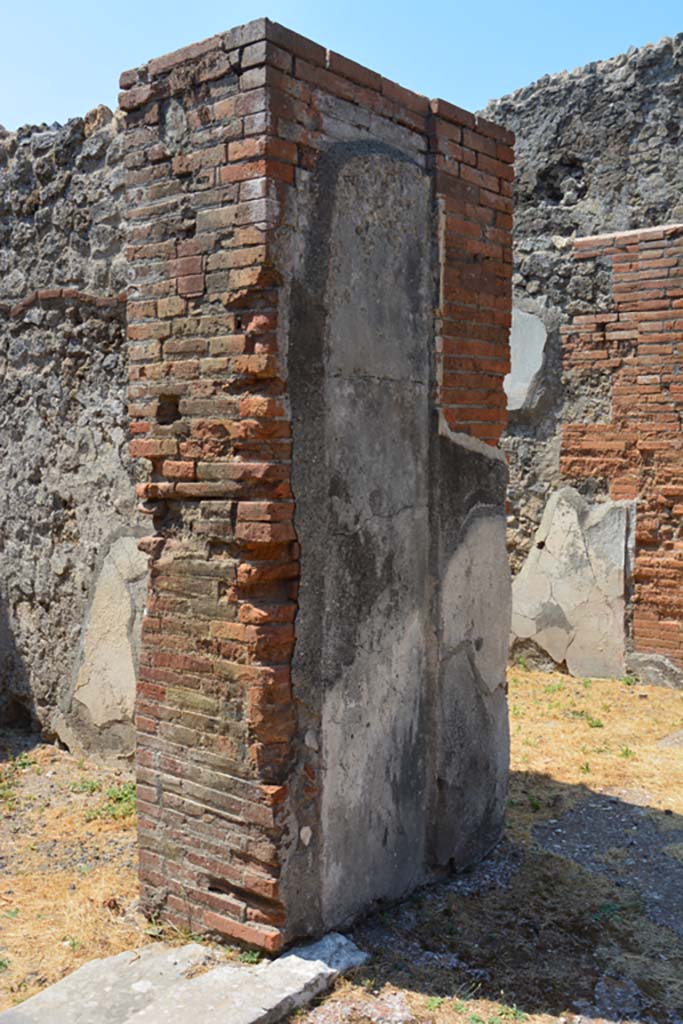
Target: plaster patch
column 527, row 345
column 569, row 597
column 105, row 685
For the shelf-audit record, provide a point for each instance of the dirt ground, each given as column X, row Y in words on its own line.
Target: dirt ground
column 577, row 916
column 68, row 884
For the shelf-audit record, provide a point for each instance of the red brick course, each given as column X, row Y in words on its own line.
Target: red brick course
column 638, row 344
column 472, row 159
column 216, row 135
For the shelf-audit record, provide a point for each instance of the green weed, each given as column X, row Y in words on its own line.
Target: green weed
column 606, row 911
column 120, row 803
column 512, row 1013
column 86, row 786
column 591, row 720
column 249, row 956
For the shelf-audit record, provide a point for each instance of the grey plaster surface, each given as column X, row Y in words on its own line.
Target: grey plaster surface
column 527, row 343
column 100, row 707
column 359, row 380
column 402, row 627
column 377, row 432
column 468, row 735
column 569, row 597
column 151, row 986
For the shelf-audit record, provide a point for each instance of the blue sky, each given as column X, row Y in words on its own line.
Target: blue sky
column 60, row 58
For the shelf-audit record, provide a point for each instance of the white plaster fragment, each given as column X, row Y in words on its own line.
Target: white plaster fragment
column 527, row 344
column 473, row 444
column 569, row 597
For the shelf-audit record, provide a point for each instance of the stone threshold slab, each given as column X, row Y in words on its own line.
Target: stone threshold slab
column 151, row 986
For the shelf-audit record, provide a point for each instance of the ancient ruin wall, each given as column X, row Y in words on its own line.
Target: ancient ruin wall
column 70, row 575
column 598, row 151
column 318, row 324
column 636, row 446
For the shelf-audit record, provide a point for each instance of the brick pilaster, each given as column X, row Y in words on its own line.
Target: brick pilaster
column 217, row 134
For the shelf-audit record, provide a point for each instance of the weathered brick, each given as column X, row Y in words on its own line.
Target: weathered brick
column 637, row 342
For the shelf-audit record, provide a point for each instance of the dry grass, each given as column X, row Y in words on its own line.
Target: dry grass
column 68, row 869
column 598, row 734
column 68, row 890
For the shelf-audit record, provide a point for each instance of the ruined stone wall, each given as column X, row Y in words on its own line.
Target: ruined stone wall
column 70, row 574
column 318, row 321
column 598, row 151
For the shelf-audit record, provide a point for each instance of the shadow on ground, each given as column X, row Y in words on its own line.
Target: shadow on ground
column 17, row 723
column 15, row 702
column 580, row 914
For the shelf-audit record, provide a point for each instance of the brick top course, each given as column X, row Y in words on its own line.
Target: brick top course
column 264, row 42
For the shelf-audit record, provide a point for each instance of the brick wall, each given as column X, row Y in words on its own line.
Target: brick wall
column 217, row 136
column 637, row 345
column 473, row 162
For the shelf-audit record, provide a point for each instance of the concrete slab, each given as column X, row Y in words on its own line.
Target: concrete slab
column 151, row 986
column 109, row 991
column 261, row 994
